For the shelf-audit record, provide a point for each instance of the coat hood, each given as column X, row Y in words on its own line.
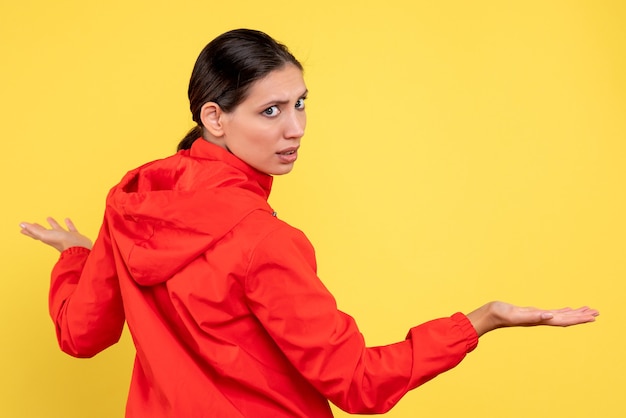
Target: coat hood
column 164, row 214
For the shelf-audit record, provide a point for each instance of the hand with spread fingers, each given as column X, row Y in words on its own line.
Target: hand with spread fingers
column 494, row 315
column 57, row 236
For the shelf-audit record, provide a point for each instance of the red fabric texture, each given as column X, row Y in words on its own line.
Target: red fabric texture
column 222, row 299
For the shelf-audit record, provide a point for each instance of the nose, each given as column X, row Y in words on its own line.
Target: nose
column 295, row 124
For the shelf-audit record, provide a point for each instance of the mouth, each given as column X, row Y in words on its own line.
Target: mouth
column 288, row 151
column 288, row 155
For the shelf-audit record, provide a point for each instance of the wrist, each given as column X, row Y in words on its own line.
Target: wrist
column 485, row 318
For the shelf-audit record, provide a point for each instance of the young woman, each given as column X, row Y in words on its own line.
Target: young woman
column 222, row 299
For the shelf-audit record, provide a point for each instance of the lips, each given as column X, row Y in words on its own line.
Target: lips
column 288, row 155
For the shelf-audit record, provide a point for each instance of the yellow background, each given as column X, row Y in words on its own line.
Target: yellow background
column 456, row 152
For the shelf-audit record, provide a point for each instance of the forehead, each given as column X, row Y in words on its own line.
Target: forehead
column 285, row 83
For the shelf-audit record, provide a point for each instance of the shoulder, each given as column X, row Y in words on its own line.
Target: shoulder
column 276, row 241
column 273, row 230
column 134, row 178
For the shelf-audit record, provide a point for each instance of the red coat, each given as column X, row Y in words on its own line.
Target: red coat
column 224, row 305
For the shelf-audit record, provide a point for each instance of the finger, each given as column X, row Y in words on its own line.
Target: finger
column 562, row 310
column 24, row 225
column 31, row 227
column 587, row 309
column 70, row 225
column 26, row 232
column 534, row 317
column 569, row 318
column 54, row 224
column 31, row 230
column 584, row 311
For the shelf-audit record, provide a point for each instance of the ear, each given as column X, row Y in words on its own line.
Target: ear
column 211, row 115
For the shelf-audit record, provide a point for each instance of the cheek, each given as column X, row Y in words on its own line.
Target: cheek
column 265, row 136
column 254, row 141
column 249, row 136
column 257, row 144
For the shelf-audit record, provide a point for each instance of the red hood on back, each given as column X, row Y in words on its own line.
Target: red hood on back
column 166, row 213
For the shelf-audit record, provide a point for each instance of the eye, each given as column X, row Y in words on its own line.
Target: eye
column 271, row 111
column 300, row 103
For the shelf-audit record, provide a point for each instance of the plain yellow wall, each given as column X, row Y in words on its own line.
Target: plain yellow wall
column 456, row 152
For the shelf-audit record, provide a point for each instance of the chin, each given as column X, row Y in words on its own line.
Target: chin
column 281, row 170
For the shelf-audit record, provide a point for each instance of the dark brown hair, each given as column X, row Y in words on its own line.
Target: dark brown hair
column 227, row 67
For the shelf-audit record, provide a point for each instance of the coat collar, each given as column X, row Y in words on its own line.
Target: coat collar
column 204, row 149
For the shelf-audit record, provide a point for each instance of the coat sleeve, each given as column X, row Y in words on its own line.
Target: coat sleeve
column 325, row 345
column 84, row 300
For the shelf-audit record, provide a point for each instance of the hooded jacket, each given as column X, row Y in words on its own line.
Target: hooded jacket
column 222, row 300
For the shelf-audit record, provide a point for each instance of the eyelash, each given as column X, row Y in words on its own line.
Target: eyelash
column 268, row 111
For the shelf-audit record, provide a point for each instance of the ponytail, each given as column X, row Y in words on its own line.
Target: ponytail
column 190, row 138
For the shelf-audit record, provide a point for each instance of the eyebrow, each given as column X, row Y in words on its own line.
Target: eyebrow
column 282, row 102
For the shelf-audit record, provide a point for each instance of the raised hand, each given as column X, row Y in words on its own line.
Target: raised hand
column 57, row 236
column 500, row 314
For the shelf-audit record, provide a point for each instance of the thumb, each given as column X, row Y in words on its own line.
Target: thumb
column 546, row 315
